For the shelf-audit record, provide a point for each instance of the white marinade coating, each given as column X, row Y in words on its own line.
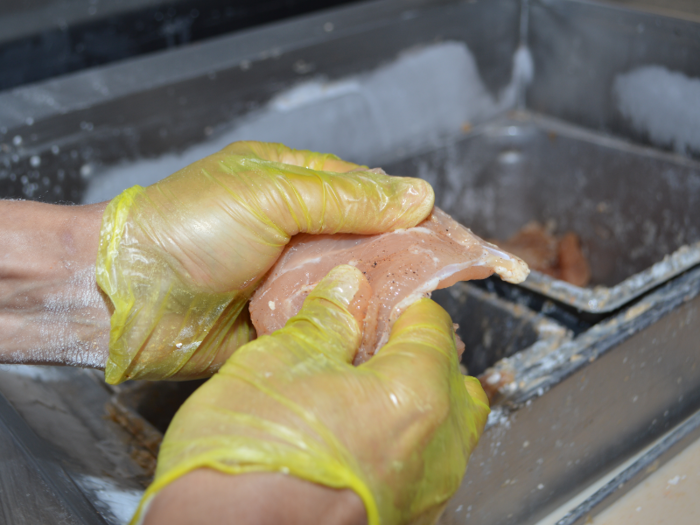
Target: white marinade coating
column 401, row 266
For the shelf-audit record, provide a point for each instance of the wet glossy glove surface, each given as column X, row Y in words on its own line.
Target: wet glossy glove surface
column 180, row 259
column 397, row 430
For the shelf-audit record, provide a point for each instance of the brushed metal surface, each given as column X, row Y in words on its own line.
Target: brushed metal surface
column 493, row 329
column 668, row 446
column 34, row 486
column 636, row 210
column 68, row 452
column 78, row 124
column 581, row 410
column 580, row 47
column 41, row 39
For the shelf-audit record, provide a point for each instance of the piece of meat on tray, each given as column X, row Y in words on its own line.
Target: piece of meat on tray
column 559, row 257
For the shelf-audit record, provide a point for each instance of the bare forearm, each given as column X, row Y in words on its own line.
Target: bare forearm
column 51, row 310
column 208, row 496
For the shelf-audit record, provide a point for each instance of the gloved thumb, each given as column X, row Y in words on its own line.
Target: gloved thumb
column 421, row 357
column 422, row 337
column 330, row 320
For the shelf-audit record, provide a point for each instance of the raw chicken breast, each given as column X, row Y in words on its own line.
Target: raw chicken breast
column 401, row 267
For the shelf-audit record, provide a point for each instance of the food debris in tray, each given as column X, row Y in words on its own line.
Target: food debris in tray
column 560, row 257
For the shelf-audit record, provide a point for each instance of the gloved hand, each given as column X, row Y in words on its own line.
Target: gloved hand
column 180, row 259
column 398, row 430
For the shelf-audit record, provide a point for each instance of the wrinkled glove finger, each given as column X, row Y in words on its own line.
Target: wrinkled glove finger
column 329, row 322
column 276, row 152
column 420, row 361
column 271, row 201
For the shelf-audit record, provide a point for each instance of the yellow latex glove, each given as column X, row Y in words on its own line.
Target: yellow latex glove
column 181, row 258
column 398, row 430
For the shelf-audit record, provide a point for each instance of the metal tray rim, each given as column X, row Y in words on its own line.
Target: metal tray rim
column 602, row 299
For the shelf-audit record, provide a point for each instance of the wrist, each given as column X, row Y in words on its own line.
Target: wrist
column 209, row 496
column 51, row 311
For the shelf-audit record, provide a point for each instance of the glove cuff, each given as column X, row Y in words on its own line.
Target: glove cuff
column 234, row 459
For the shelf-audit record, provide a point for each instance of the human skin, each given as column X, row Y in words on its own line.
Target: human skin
column 253, row 499
column 52, row 312
column 51, row 309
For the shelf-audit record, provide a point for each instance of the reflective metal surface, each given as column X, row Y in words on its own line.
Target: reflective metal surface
column 493, row 329
column 676, row 8
column 581, row 47
column 75, row 126
column 40, row 39
column 64, row 460
column 34, row 488
column 668, row 446
column 575, row 413
column 636, row 210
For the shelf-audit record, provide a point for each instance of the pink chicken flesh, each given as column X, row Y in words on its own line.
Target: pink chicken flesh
column 401, row 267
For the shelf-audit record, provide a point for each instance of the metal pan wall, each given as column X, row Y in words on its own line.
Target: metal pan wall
column 635, row 209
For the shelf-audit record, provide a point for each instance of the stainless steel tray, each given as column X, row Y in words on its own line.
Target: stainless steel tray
column 493, row 329
column 635, row 209
column 570, row 415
